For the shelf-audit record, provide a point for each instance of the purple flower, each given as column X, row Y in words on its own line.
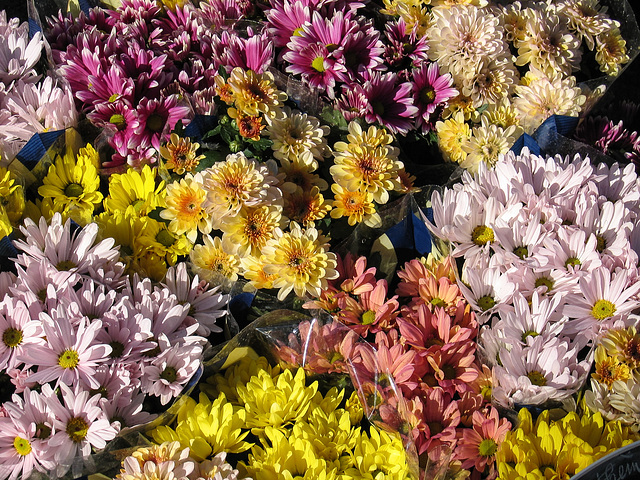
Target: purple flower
column 159, row 116
column 285, row 19
column 430, row 89
column 405, row 50
column 352, row 103
column 390, row 102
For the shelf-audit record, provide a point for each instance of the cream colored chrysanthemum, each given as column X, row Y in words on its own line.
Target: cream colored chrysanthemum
column 587, row 19
column 256, row 93
column 461, row 103
column 253, row 270
column 214, row 262
column 298, row 137
column 452, row 134
column 461, row 36
column 543, row 98
column 451, row 3
column 611, row 51
column 236, row 182
column 301, row 261
column 491, row 81
column 367, row 162
column 186, row 210
column 486, row 144
column 502, row 114
column 514, row 19
column 549, row 45
column 251, row 228
column 300, row 176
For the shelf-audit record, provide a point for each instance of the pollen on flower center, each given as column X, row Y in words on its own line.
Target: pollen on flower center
column 77, row 429
column 12, row 337
column 521, row 252
column 22, row 446
column 603, row 309
column 69, row 359
column 427, row 94
column 537, row 378
column 487, row 447
column 482, row 235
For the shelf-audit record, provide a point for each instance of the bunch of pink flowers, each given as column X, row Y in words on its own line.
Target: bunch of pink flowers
column 87, row 348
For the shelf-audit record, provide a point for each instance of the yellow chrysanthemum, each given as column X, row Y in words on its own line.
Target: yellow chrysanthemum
column 72, row 186
column 255, row 93
column 89, row 155
column 223, row 89
column 251, row 228
column 623, row 344
column 287, row 458
column 452, row 135
column 158, row 238
column 253, row 271
column 306, row 206
column 380, row 455
column 134, row 192
column 609, row 368
column 126, row 230
column 276, row 401
column 12, row 202
column 186, row 210
column 368, row 162
column 213, row 262
column 357, row 206
column 236, row 182
column 301, row 261
column 486, row 144
column 207, row 427
column 180, row 154
column 299, row 175
column 611, row 51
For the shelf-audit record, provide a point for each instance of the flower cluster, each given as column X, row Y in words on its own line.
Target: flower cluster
column 296, row 431
column 548, row 265
column 86, row 347
column 547, row 448
column 29, row 104
column 424, row 340
column 514, row 64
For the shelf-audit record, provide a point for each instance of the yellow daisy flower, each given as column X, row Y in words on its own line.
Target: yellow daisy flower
column 73, row 186
column 180, row 154
column 452, row 135
column 126, row 230
column 213, row 262
column 134, row 192
column 186, row 210
column 255, row 93
column 157, row 238
column 301, row 261
column 251, row 228
column 367, row 162
column 357, row 206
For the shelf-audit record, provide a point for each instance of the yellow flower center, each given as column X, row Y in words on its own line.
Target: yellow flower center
column 77, row 429
column 69, row 359
column 482, row 235
column 43, row 431
column 487, row 447
column 169, row 374
column 165, row 238
column 528, row 333
column 12, row 337
column 368, row 317
column 318, row 64
column 118, row 120
column 73, row 190
column 437, row 302
column 521, row 252
column 65, row 266
column 603, row 309
column 544, row 281
column 537, row 378
column 113, row 98
column 601, row 243
column 427, row 95
column 22, row 446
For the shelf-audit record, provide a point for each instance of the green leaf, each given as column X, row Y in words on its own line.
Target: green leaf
column 155, row 214
column 212, row 133
column 334, row 117
column 210, row 157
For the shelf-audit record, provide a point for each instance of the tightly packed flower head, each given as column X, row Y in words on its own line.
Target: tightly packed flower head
column 548, row 265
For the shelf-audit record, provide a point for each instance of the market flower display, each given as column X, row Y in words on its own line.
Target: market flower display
column 318, row 239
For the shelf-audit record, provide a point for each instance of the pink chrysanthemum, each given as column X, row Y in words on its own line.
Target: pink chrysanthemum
column 478, row 445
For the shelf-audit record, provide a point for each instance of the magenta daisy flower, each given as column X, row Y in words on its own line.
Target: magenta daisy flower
column 215, row 13
column 405, row 49
column 390, row 102
column 109, row 87
column 255, row 53
column 157, row 116
column 150, row 71
column 285, row 19
column 430, row 89
column 362, row 51
column 352, row 103
column 80, row 424
column 70, row 353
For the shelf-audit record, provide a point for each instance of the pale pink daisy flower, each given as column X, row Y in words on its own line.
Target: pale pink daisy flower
column 80, row 424
column 605, row 297
column 452, row 368
column 610, row 223
column 18, row 53
column 18, row 457
column 618, row 184
column 485, row 290
column 128, row 333
column 517, row 243
column 546, row 369
column 571, row 250
column 69, row 354
column 17, row 330
column 544, row 282
column 205, row 303
column 126, row 409
column 170, row 371
column 33, row 408
column 40, row 286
